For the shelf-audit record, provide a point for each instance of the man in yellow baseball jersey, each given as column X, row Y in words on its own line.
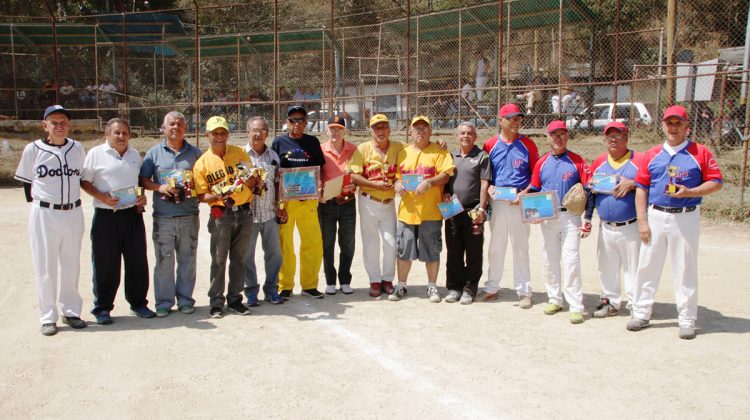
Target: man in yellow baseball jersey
column 219, row 182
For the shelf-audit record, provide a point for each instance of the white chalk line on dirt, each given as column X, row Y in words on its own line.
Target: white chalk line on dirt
column 404, row 371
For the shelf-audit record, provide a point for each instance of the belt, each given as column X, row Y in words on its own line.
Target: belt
column 618, row 224
column 563, row 209
column 100, row 209
column 687, row 209
column 379, row 200
column 69, row 206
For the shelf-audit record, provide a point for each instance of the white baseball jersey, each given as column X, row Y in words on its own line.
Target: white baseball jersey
column 53, row 172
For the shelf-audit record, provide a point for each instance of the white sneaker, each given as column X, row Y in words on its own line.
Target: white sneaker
column 398, row 292
column 331, row 289
column 346, row 289
column 466, row 298
column 453, row 296
column 433, row 294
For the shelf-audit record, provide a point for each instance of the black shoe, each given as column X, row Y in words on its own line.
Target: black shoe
column 216, row 312
column 143, row 312
column 103, row 318
column 285, row 294
column 74, row 322
column 238, row 308
column 313, row 293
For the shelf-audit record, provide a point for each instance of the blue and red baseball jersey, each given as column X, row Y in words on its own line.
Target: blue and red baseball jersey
column 609, row 207
column 559, row 173
column 512, row 162
column 693, row 165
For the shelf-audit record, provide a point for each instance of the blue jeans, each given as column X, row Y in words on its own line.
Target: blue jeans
column 175, row 238
column 341, row 219
column 269, row 233
column 230, row 237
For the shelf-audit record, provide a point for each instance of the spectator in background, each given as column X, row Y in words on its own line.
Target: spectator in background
column 568, row 95
column 467, row 92
column 482, row 69
column 47, row 96
column 533, row 96
column 88, row 95
column 107, row 93
column 67, row 93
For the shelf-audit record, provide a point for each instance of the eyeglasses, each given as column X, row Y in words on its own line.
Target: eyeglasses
column 299, row 120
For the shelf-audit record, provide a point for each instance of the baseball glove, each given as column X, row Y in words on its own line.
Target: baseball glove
column 575, row 199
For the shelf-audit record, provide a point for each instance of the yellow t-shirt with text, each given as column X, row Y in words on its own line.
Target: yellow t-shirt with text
column 430, row 162
column 211, row 169
column 374, row 166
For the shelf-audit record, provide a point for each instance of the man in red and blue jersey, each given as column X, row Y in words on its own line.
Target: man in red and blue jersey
column 671, row 183
column 618, row 243
column 512, row 158
column 559, row 170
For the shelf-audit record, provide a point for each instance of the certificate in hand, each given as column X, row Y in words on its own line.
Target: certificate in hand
column 602, row 183
column 450, row 208
column 127, row 197
column 537, row 207
column 410, row 182
column 299, row 183
column 333, row 188
column 505, row 193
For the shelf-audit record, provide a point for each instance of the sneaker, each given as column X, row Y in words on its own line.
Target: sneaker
column 313, row 293
column 285, row 294
column 637, row 324
column 216, row 313
column 375, row 289
column 487, row 296
column 185, row 309
column 164, row 312
column 453, row 296
column 346, row 289
column 687, row 333
column 433, row 294
column 398, row 293
column 49, row 329
column 576, row 318
column 238, row 308
column 524, row 302
column 103, row 318
column 74, row 322
column 252, row 300
column 552, row 309
column 330, row 289
column 604, row 309
column 274, row 298
column 387, row 287
column 142, row 312
column 466, row 298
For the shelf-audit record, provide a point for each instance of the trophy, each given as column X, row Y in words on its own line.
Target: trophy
column 279, row 220
column 138, row 193
column 345, row 197
column 476, row 228
column 183, row 182
column 671, row 187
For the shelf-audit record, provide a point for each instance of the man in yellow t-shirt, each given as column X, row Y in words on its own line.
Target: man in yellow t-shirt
column 231, row 221
column 374, row 171
column 423, row 168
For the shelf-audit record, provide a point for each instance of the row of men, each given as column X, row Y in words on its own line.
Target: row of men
column 377, row 167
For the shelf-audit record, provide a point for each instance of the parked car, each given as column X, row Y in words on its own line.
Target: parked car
column 602, row 114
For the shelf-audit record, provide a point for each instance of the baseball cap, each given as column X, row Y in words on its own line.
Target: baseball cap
column 675, row 111
column 54, row 109
column 419, row 118
column 378, row 118
column 616, row 125
column 556, row 125
column 509, row 111
column 337, row 121
column 296, row 108
column 216, row 122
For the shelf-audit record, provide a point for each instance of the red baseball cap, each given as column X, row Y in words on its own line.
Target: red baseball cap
column 509, row 111
column 675, row 111
column 616, row 125
column 556, row 125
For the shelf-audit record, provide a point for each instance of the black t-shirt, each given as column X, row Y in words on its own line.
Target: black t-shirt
column 296, row 153
column 466, row 179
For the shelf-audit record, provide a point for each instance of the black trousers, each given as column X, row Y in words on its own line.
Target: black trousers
column 463, row 274
column 342, row 220
column 115, row 236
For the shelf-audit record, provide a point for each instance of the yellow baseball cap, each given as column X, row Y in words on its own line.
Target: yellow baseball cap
column 421, row 118
column 216, row 122
column 378, row 118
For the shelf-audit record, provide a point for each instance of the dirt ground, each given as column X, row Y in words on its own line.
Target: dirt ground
column 357, row 357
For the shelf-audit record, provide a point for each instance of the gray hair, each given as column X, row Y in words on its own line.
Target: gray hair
column 466, row 124
column 254, row 119
column 114, row 121
column 174, row 115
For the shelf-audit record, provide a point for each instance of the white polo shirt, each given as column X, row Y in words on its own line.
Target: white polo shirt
column 108, row 171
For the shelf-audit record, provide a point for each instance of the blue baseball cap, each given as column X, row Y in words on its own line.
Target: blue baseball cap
column 55, row 108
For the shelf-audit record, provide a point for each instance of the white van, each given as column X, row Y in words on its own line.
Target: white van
column 603, row 114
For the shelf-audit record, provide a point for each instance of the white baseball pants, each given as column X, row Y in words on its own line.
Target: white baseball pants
column 377, row 224
column 617, row 258
column 560, row 243
column 481, row 83
column 673, row 236
column 55, row 237
column 506, row 222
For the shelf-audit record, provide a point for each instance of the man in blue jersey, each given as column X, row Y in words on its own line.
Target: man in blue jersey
column 512, row 159
column 618, row 242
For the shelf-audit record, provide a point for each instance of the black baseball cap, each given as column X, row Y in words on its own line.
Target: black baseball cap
column 296, row 108
column 54, row 109
column 337, row 121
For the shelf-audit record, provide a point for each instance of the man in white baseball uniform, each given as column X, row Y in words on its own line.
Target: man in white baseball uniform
column 50, row 170
column 672, row 181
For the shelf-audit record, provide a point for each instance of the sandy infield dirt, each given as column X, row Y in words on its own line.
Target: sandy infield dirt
column 358, row 357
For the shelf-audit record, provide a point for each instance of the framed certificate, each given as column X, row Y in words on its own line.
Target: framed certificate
column 603, row 183
column 451, row 208
column 299, row 183
column 505, row 193
column 178, row 175
column 127, row 197
column 537, row 207
column 410, row 182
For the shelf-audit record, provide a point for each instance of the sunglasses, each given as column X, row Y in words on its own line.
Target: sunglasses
column 296, row 120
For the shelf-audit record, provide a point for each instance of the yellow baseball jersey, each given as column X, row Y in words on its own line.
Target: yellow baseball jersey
column 211, row 169
column 374, row 166
column 430, row 162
